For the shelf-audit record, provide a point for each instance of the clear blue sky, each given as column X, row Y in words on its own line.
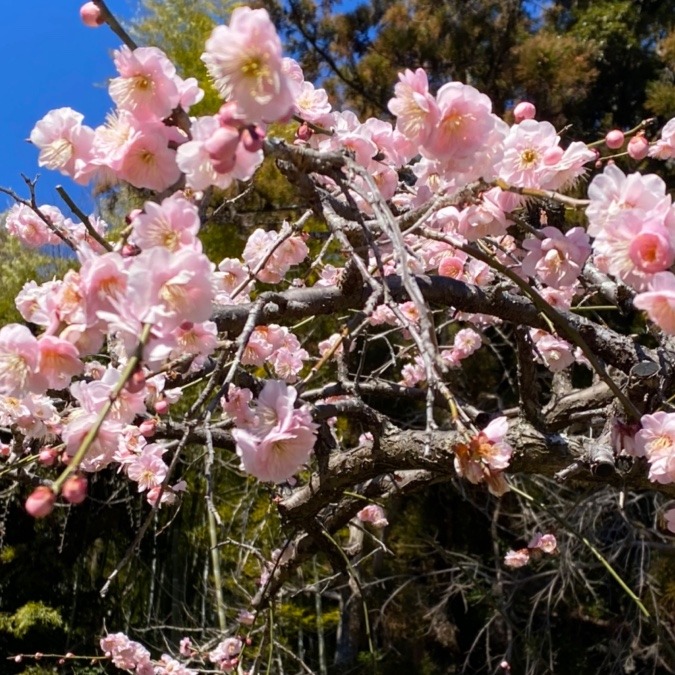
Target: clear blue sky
column 49, row 59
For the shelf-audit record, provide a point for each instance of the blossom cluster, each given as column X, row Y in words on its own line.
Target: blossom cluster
column 158, row 283
column 274, row 438
column 485, row 456
column 540, row 543
column 132, row 656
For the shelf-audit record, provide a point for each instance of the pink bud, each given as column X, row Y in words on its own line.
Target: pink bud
column 524, row 111
column 136, row 382
column 74, row 490
column 252, row 138
column 4, row 450
column 47, row 456
column 304, row 132
column 18, row 658
column 222, row 148
column 130, row 250
column 638, row 147
column 38, row 656
column 41, row 502
column 148, row 428
column 91, row 15
column 614, row 139
column 230, row 115
column 162, row 407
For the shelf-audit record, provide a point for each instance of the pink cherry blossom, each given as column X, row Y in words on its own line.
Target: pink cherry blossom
column 19, row 362
column 545, row 542
column 664, row 148
column 415, row 108
column 59, row 361
column 102, row 450
column 167, row 288
column 23, row 223
column 65, row 143
column 656, row 442
column 467, row 140
column 282, row 438
column 485, row 218
column 373, row 514
column 332, row 345
column 195, row 338
column 659, row 301
column 277, row 254
column 613, row 193
column 245, row 62
column 312, row 104
column 148, row 469
column 557, row 258
column 125, row 653
column 146, row 86
column 556, row 353
column 485, row 456
column 148, row 161
column 92, row 396
column 173, row 224
column 518, row 558
column 651, row 250
column 226, row 654
column 236, row 405
column 533, row 157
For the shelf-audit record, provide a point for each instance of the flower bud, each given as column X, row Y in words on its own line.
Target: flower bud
column 638, row 147
column 91, row 15
column 252, row 138
column 74, row 490
column 162, row 407
column 130, row 250
column 524, row 111
column 304, row 132
column 148, row 428
column 222, row 148
column 47, row 456
column 40, row 503
column 614, row 139
column 136, row 383
column 230, row 115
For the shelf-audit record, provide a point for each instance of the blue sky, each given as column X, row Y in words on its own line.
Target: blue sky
column 48, row 59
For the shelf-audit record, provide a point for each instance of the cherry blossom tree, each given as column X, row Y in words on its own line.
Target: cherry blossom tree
column 417, row 243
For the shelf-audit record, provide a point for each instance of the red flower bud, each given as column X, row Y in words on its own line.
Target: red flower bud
column 41, row 502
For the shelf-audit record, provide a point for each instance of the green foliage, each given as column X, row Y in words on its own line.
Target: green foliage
column 31, row 615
